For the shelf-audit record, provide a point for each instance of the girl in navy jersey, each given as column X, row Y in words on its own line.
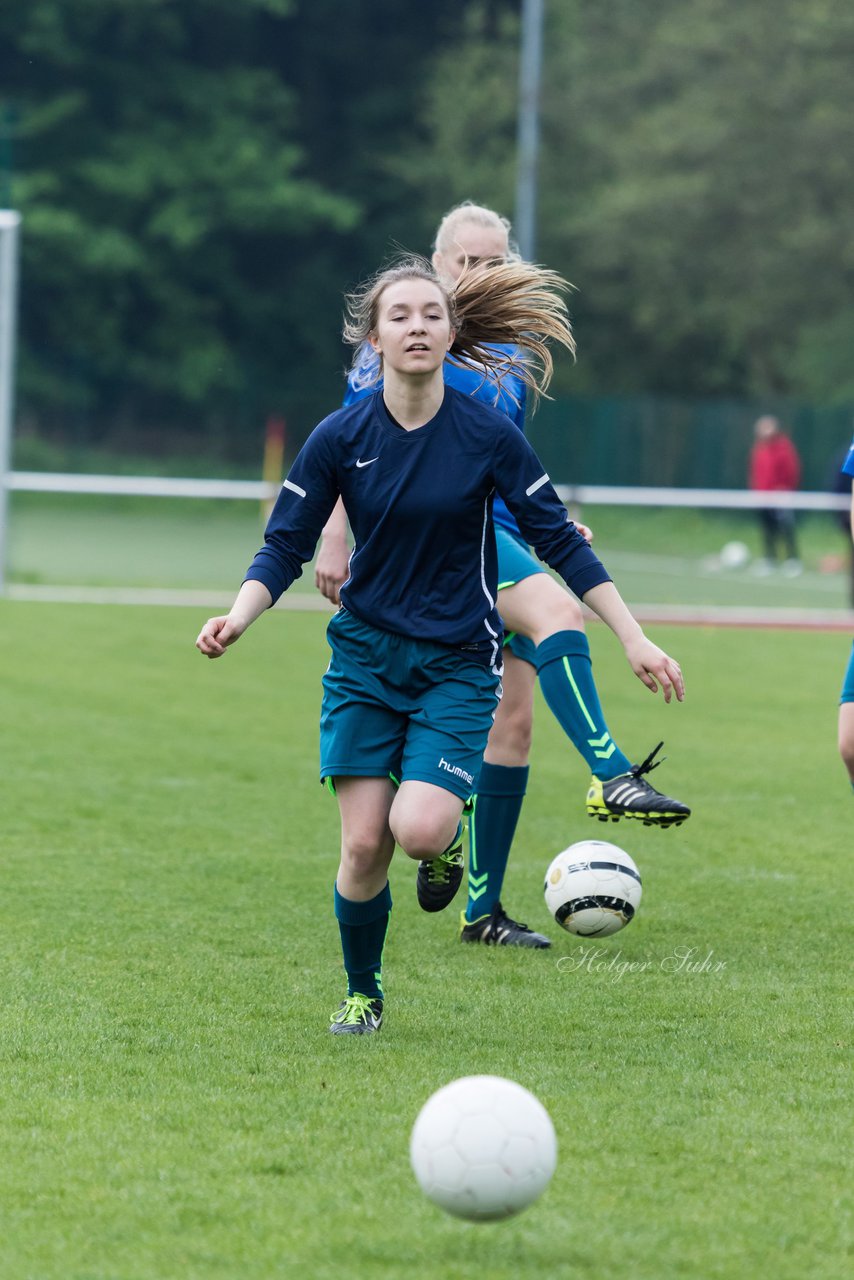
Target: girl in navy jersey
column 545, row 637
column 414, row 678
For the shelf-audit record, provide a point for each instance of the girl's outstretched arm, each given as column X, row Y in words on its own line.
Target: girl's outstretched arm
column 217, row 634
column 649, row 663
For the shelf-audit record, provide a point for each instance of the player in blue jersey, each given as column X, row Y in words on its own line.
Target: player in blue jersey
column 414, row 678
column 846, row 702
column 546, row 638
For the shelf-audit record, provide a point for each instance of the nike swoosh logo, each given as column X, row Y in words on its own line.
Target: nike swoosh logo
column 360, row 463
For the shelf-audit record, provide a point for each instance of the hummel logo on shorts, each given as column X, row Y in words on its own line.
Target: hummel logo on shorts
column 367, row 463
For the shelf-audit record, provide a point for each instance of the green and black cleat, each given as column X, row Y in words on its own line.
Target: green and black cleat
column 497, row 930
column 440, row 878
column 629, row 795
column 357, row 1016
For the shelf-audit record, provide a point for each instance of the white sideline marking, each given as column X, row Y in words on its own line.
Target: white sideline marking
column 198, row 598
column 303, row 602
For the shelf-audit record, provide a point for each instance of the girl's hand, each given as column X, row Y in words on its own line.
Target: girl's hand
column 587, row 534
column 654, row 667
column 218, row 633
column 331, row 568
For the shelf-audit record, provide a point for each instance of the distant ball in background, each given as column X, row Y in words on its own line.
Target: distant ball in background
column 734, row 555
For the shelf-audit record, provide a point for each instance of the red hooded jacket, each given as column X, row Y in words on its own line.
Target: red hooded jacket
column 774, row 465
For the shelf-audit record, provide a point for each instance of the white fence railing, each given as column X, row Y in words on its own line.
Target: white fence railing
column 139, row 486
column 571, row 494
column 744, row 499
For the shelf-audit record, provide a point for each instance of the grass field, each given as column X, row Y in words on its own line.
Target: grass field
column 660, row 556
column 172, row 1106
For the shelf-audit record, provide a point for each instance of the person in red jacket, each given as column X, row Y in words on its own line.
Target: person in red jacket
column 775, row 468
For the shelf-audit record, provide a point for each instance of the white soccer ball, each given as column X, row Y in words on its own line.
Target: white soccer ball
column 734, row 555
column 483, row 1148
column 593, row 888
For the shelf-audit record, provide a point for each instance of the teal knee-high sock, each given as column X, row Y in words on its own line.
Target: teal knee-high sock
column 363, row 927
column 566, row 679
column 495, row 812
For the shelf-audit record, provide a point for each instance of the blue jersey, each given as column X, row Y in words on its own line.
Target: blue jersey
column 474, row 380
column 424, row 564
column 848, row 464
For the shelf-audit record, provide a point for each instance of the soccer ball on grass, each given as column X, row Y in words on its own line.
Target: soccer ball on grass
column 593, row 888
column 483, row 1148
column 734, row 555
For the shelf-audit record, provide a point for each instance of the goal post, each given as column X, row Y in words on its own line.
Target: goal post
column 9, row 231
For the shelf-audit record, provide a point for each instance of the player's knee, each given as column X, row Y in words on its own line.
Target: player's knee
column 846, row 736
column 556, row 611
column 362, row 854
column 423, row 834
column 846, row 749
column 512, row 734
column 566, row 615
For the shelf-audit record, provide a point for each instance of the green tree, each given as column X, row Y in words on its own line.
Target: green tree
column 718, row 190
column 163, row 199
column 198, row 183
column 694, row 184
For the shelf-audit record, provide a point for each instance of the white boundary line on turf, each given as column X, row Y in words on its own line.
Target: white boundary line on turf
column 689, row 615
column 205, row 598
column 746, row 616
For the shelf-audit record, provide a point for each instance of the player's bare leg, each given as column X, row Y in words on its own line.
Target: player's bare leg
column 497, row 806
column 846, row 737
column 540, row 608
column 427, row 824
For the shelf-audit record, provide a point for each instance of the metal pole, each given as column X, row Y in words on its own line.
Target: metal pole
column 9, row 224
column 528, row 126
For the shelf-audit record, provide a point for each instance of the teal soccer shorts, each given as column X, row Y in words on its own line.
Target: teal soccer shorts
column 516, row 562
column 409, row 709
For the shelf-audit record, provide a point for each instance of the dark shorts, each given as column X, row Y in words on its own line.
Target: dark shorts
column 408, row 709
column 516, row 562
column 848, row 682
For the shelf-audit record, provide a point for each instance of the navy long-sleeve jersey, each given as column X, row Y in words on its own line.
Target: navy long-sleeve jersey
column 509, row 395
column 424, row 563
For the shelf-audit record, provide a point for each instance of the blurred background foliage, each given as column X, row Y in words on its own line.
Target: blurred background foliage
column 199, row 182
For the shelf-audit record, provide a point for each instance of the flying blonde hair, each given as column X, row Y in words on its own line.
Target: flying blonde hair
column 515, row 303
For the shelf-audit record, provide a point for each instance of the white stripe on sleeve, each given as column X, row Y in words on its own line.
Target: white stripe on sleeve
column 538, row 484
column 289, row 484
